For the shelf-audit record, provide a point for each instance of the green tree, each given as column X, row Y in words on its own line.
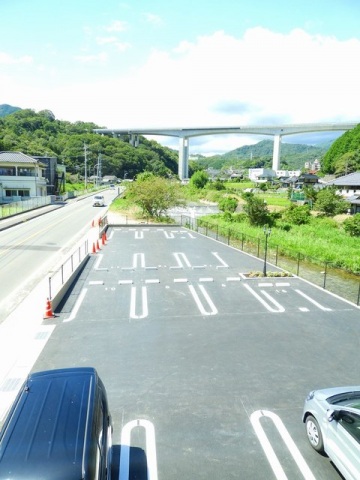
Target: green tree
column 256, row 209
column 352, row 225
column 154, row 195
column 297, row 215
column 228, row 204
column 329, row 202
column 199, row 179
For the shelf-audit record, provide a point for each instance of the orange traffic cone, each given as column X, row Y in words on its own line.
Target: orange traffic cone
column 103, row 238
column 93, row 223
column 97, row 245
column 93, row 248
column 48, row 313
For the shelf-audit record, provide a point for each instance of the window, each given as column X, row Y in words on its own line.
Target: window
column 351, row 423
column 26, row 172
column 8, row 171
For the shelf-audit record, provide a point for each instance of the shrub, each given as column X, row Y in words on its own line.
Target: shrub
column 228, row 204
column 297, row 215
column 352, row 225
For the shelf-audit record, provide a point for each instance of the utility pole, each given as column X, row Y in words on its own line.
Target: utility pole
column 85, row 156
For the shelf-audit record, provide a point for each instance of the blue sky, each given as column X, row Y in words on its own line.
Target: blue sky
column 183, row 64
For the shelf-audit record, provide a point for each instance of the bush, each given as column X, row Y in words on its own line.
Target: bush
column 352, row 225
column 297, row 215
column 228, row 204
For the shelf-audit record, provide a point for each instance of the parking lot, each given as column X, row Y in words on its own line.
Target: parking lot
column 206, row 370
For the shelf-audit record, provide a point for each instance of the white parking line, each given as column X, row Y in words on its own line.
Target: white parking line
column 213, row 309
column 124, row 469
column 279, row 309
column 311, row 300
column 77, row 305
column 222, row 263
column 144, row 303
column 288, row 441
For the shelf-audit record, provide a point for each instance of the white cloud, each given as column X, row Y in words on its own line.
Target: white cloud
column 6, row 59
column 153, row 19
column 98, row 58
column 263, row 77
column 117, row 26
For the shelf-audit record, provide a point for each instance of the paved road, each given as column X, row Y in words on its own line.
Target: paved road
column 31, row 249
column 199, row 361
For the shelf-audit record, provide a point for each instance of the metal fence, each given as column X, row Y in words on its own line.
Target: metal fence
column 60, row 276
column 323, row 274
column 14, row 208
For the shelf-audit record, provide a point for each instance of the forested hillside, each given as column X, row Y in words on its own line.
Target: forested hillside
column 7, row 109
column 293, row 156
column 42, row 134
column 343, row 156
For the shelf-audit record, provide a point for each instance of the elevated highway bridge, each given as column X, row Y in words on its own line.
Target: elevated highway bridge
column 184, row 135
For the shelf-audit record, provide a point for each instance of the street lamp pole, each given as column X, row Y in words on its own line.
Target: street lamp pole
column 267, row 232
column 85, row 155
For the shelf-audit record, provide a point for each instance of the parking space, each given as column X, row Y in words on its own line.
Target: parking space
column 201, row 363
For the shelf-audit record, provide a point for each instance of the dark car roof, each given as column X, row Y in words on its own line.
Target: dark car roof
column 46, row 430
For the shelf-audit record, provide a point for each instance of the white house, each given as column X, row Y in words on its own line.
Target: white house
column 261, row 175
column 349, row 187
column 21, row 177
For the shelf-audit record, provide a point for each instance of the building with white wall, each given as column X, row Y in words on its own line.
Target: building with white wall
column 21, row 177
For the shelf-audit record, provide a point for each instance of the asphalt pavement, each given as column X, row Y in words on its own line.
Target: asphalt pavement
column 199, row 361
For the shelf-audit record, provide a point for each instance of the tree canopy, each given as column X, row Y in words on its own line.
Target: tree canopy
column 343, row 156
column 41, row 134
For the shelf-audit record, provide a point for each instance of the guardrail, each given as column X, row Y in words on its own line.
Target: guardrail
column 61, row 278
column 323, row 274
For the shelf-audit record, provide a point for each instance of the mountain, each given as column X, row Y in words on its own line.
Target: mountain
column 292, row 156
column 6, row 109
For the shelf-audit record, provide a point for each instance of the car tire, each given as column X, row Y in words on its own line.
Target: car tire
column 314, row 435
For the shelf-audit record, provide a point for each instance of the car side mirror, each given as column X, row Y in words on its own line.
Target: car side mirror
column 332, row 415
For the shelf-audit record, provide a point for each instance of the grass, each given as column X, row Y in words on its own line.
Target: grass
column 322, row 240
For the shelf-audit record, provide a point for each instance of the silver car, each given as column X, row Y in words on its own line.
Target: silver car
column 332, row 419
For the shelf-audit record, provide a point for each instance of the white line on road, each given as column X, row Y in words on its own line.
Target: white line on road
column 311, row 300
column 144, row 303
column 213, row 309
column 124, row 469
column 77, row 305
column 261, row 300
column 222, row 263
column 98, row 260
column 136, row 257
column 181, row 259
column 288, row 441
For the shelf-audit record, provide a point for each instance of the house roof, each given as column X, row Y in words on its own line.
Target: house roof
column 353, row 179
column 16, row 157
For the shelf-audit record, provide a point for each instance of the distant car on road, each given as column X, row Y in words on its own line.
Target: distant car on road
column 98, row 201
column 332, row 418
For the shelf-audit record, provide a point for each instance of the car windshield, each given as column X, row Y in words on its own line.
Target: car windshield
column 348, row 399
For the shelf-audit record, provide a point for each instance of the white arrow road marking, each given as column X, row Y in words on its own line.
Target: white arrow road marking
column 168, row 235
column 289, row 442
column 77, row 305
column 213, row 309
column 311, row 300
column 261, row 300
column 139, row 235
column 144, row 303
column 124, row 469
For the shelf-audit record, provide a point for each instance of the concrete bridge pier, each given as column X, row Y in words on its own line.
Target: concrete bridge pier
column 276, row 152
column 183, row 158
column 134, row 140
